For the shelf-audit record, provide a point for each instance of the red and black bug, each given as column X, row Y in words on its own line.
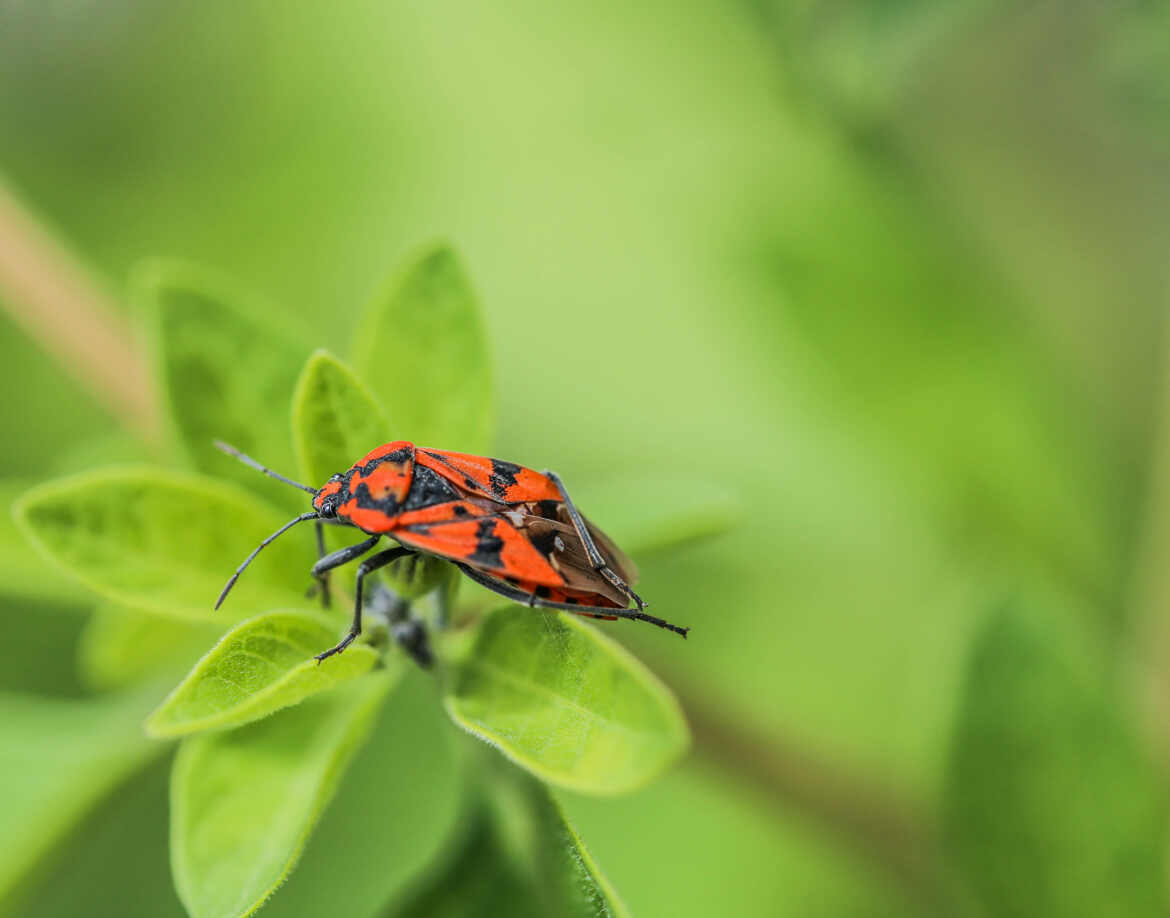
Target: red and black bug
column 508, row 528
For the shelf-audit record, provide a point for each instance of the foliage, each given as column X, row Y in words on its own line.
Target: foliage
column 890, row 276
column 251, row 780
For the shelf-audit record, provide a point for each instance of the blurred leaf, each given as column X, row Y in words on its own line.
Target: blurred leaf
column 857, row 58
column 119, row 646
column 1051, row 808
column 335, row 419
column 39, row 652
column 260, row 666
column 227, row 368
column 163, row 542
column 650, row 514
column 23, row 573
column 421, row 346
column 393, row 817
column 243, row 802
column 59, row 757
column 121, row 845
column 566, row 703
column 519, row 849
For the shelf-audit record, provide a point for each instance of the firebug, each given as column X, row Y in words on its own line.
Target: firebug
column 512, row 530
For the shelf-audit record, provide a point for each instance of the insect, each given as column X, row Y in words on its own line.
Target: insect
column 510, row 529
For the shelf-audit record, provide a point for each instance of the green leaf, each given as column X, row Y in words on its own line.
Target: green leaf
column 519, row 849
column 119, row 646
column 243, row 802
column 335, row 419
column 260, row 666
column 57, row 759
column 1051, row 807
column 121, row 844
column 23, row 573
column 228, row 369
column 402, row 798
column 164, row 542
column 657, row 513
column 565, row 702
column 421, row 346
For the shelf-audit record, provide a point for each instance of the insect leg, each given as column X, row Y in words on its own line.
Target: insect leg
column 595, row 557
column 381, row 559
column 322, row 579
column 343, row 556
column 533, row 601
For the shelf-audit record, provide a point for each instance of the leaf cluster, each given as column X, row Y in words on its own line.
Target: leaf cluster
column 265, row 733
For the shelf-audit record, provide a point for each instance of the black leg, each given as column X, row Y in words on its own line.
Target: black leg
column 595, row 557
column 322, row 578
column 381, row 559
column 343, row 556
column 534, row 601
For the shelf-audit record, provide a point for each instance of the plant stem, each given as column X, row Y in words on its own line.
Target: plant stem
column 60, row 305
column 885, row 829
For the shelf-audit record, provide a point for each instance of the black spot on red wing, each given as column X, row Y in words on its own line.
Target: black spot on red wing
column 503, row 476
column 460, row 510
column 471, row 483
column 427, row 489
column 572, row 601
column 542, row 592
column 488, row 546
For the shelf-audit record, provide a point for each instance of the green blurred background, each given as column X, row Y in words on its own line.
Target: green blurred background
column 892, row 274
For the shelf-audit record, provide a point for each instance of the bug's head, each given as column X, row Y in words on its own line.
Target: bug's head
column 326, row 500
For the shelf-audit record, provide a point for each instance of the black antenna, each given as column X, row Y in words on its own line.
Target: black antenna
column 248, row 460
column 311, row 515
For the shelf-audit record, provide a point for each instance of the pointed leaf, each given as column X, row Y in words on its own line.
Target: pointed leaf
column 519, row 849
column 422, row 348
column 119, row 646
column 58, row 757
column 164, row 542
column 335, row 420
column 228, row 369
column 1051, row 807
column 565, row 702
column 260, row 666
column 243, row 802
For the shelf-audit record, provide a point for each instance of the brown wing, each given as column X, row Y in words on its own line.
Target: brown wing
column 558, row 542
column 618, row 560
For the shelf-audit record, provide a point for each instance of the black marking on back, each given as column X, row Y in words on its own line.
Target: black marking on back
column 400, row 455
column 387, row 505
column 428, row 488
column 488, row 546
column 503, row 476
column 460, row 510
